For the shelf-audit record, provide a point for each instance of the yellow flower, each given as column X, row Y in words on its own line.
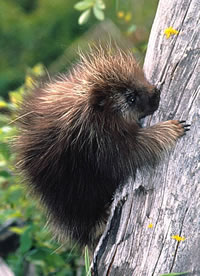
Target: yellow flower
column 128, row 17
column 3, row 104
column 120, row 14
column 170, row 31
column 178, row 238
column 150, row 225
column 29, row 82
column 13, row 99
column 38, row 69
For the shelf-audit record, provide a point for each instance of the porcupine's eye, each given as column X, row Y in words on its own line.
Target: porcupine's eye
column 131, row 99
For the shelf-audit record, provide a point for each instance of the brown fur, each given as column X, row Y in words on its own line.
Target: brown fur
column 80, row 138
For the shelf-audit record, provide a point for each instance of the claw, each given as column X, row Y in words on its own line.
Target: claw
column 186, row 129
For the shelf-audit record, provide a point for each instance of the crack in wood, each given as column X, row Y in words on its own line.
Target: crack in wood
column 178, row 242
column 161, row 251
column 111, row 263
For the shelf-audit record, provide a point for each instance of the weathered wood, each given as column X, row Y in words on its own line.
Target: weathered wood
column 172, row 198
column 4, row 269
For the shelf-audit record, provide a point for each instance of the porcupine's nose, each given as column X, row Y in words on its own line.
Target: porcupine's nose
column 154, row 99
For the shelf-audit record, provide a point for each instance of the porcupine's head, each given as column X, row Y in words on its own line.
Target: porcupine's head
column 116, row 83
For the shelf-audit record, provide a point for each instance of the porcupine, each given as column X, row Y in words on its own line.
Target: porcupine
column 80, row 139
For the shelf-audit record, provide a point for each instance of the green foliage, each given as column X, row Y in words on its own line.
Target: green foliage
column 36, row 246
column 87, row 262
column 84, row 17
column 30, row 35
column 86, row 6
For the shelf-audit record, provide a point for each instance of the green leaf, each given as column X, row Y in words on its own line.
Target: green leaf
column 54, row 259
column 43, row 256
column 83, row 5
column 87, row 262
column 18, row 230
column 100, row 4
column 131, row 29
column 84, row 17
column 5, row 174
column 5, row 150
column 99, row 14
column 26, row 241
column 36, row 254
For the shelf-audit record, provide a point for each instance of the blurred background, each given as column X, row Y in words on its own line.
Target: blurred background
column 40, row 37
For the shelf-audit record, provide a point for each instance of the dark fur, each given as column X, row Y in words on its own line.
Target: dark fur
column 80, row 138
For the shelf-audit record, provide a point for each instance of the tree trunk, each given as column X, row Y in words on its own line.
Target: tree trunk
column 139, row 238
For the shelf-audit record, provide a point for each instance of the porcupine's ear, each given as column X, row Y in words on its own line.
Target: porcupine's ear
column 98, row 100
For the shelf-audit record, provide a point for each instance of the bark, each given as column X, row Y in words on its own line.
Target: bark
column 171, row 199
column 4, row 269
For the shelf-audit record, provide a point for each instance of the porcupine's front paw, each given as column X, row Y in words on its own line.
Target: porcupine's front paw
column 177, row 128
